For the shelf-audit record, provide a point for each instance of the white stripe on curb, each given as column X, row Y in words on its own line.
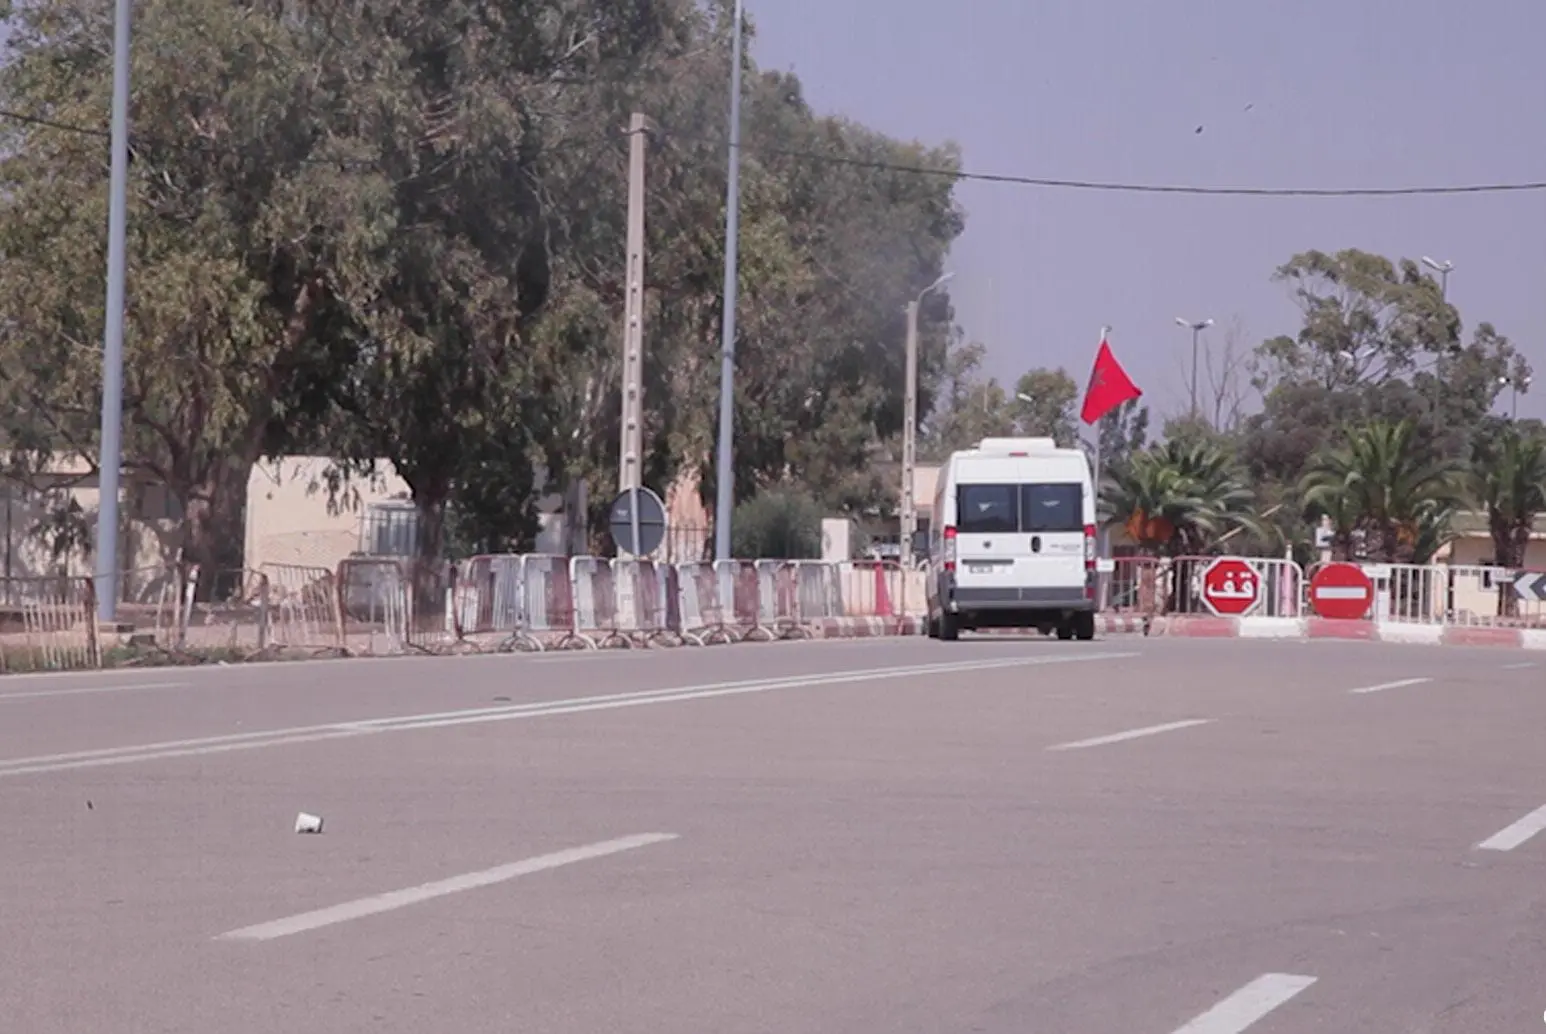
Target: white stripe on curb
column 1410, row 635
column 1247, row 1005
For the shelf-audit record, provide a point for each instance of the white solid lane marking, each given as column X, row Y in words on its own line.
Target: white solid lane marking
column 1390, row 685
column 508, row 712
column 128, row 687
column 1131, row 734
column 1510, row 837
column 1247, row 1005
column 1519, row 667
column 370, row 906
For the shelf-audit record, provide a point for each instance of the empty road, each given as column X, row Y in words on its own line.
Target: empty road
column 1117, row 837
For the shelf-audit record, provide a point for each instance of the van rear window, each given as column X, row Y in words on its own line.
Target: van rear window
column 1058, row 507
column 987, row 509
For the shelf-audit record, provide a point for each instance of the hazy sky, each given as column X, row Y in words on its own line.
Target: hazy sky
column 1341, row 93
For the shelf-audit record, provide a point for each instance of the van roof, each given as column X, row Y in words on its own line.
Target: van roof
column 1017, row 445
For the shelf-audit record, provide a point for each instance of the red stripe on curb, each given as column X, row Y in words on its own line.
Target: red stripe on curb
column 1335, row 628
column 1459, row 635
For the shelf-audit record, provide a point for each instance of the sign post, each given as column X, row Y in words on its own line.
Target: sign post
column 1230, row 587
column 1341, row 591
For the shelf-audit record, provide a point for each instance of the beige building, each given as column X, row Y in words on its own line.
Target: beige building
column 49, row 526
column 299, row 513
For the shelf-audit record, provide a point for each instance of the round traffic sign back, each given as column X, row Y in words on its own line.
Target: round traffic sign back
column 651, row 521
column 1341, row 590
column 1230, row 587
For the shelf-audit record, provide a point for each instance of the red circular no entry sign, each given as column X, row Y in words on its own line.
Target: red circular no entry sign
column 1341, row 591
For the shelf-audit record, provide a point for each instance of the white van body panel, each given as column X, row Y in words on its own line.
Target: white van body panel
column 1020, row 507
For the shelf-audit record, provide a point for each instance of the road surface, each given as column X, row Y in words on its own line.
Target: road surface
column 1168, row 836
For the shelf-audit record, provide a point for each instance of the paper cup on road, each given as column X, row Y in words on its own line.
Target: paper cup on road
column 305, row 823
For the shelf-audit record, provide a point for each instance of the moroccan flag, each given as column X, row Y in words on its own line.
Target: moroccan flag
column 1110, row 386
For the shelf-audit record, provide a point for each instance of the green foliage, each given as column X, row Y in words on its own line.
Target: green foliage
column 1182, row 498
column 778, row 524
column 1379, row 486
column 1508, row 481
column 395, row 231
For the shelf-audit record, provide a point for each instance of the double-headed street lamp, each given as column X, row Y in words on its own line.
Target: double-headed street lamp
column 1515, row 386
column 1196, row 327
column 1443, row 269
column 910, row 424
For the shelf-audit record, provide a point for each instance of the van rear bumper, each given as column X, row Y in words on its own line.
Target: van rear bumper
column 974, row 600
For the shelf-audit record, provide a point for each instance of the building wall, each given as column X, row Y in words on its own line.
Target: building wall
column 66, row 494
column 292, row 518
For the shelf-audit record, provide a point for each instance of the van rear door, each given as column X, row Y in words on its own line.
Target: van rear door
column 1052, row 524
column 989, row 546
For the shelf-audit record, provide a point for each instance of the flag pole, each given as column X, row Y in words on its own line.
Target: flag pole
column 1100, row 526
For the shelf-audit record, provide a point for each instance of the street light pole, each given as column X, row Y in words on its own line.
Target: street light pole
column 724, row 500
column 1443, row 269
column 110, row 460
column 909, row 507
column 1515, row 386
column 1196, row 328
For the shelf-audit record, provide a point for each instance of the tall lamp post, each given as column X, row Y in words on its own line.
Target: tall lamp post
column 1515, row 386
column 910, row 425
column 1443, row 269
column 110, row 460
column 724, row 496
column 1196, row 327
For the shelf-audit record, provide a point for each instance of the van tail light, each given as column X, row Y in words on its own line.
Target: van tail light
column 950, row 549
column 1089, row 562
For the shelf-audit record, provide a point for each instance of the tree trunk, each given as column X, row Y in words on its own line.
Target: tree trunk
column 213, row 535
column 429, row 562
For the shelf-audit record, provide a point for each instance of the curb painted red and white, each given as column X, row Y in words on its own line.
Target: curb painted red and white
column 1198, row 627
column 864, row 628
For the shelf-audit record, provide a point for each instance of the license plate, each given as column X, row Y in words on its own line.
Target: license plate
column 979, row 568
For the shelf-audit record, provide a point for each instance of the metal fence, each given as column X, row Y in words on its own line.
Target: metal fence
column 48, row 624
column 508, row 602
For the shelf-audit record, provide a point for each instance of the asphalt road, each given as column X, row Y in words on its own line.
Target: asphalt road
column 1117, row 837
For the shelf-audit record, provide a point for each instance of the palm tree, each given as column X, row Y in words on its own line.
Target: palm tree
column 1180, row 498
column 1510, row 483
column 1380, row 483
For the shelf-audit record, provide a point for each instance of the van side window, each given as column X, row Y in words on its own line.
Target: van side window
column 987, row 509
column 1048, row 508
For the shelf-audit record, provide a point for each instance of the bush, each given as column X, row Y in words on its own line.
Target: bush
column 777, row 524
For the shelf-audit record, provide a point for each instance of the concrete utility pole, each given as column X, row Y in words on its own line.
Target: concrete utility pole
column 1196, row 328
column 909, row 507
column 110, row 460
column 724, row 496
column 630, row 472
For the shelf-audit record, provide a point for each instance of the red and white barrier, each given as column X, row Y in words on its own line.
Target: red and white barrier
column 703, row 610
column 644, row 601
column 549, row 602
column 778, row 599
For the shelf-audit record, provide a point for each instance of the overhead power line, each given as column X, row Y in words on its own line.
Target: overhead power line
column 829, row 158
column 1046, row 182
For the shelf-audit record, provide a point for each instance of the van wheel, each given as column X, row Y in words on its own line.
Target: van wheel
column 949, row 628
column 1084, row 627
column 1065, row 632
